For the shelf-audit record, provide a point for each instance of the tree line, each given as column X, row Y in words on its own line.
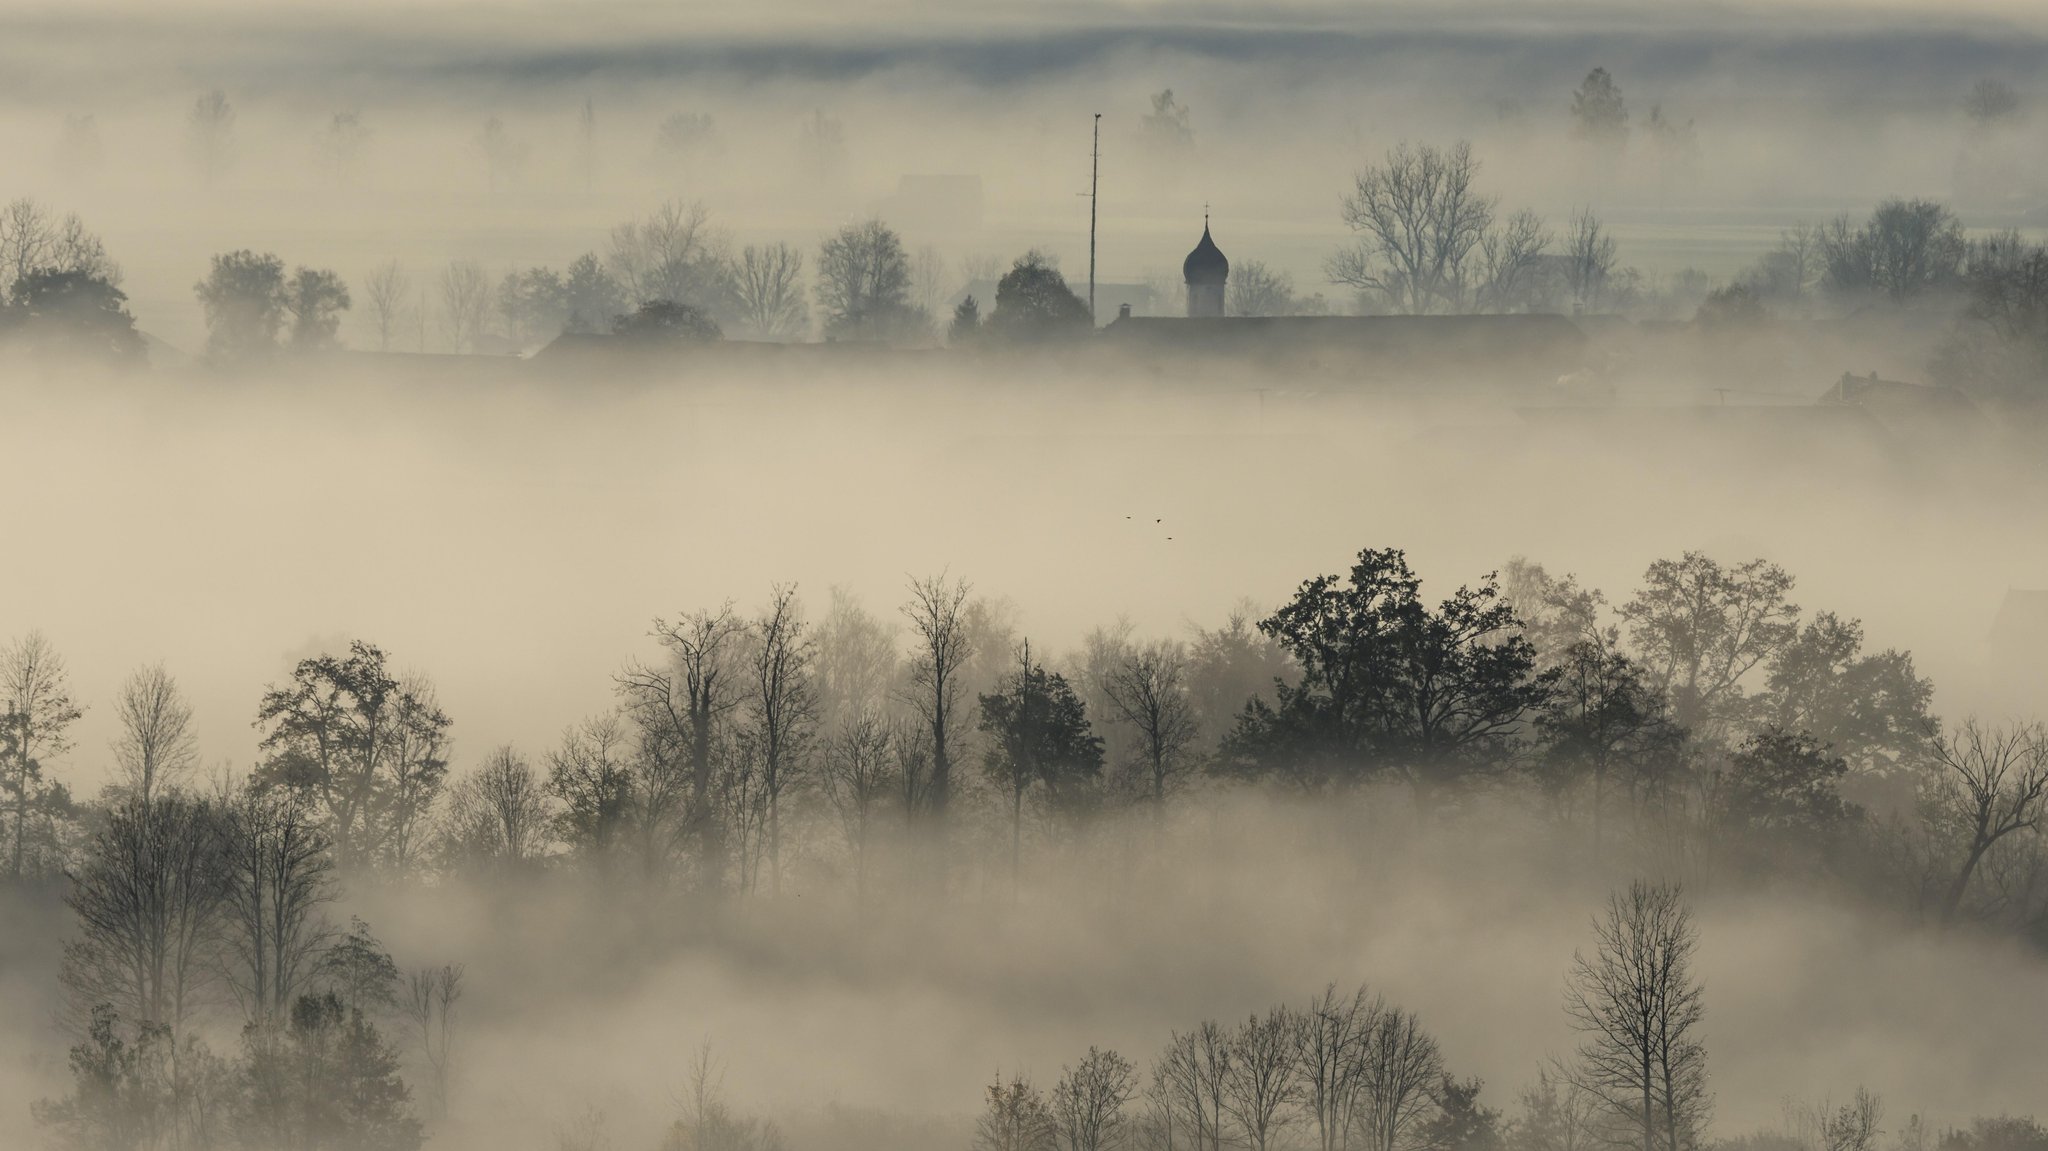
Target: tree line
column 1705, row 729
column 1354, row 1072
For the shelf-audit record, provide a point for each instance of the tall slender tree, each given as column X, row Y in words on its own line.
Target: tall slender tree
column 1637, row 1008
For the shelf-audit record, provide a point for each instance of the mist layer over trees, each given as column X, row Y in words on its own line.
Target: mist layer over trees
column 591, row 581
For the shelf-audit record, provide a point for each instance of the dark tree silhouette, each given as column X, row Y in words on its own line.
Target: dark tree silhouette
column 1603, row 723
column 941, row 648
column 1038, row 736
column 279, row 875
column 244, row 299
column 370, row 746
column 864, row 286
column 1638, row 1008
column 1033, row 302
column 1991, row 783
column 71, row 315
column 966, row 321
column 316, row 298
column 1390, row 685
column 148, row 896
column 1907, row 249
column 1599, row 114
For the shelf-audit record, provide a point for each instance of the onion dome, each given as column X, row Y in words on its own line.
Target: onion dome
column 1206, row 264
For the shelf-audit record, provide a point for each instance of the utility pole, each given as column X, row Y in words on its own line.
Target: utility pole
column 1094, row 184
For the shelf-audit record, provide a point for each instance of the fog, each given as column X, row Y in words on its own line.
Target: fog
column 510, row 515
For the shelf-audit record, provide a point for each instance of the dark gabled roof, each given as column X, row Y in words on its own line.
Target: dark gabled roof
column 1207, row 263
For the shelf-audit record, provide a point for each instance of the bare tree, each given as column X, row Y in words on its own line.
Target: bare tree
column 864, row 282
column 681, row 705
column 1589, row 259
column 768, row 281
column 1256, row 290
column 1147, row 690
column 671, row 255
column 36, row 711
column 1558, row 1114
column 928, row 278
column 155, row 750
column 1638, row 1009
column 389, row 289
column 859, row 776
column 941, row 649
column 1329, row 1054
column 431, row 996
column 1790, row 271
column 1088, row 1102
column 857, row 661
column 499, row 812
column 1016, row 1118
column 1192, row 1077
column 1263, row 1081
column 211, row 134
column 784, row 707
column 590, row 775
column 32, row 240
column 465, row 301
column 1419, row 221
column 279, row 874
column 1509, row 251
column 1852, row 1126
column 27, row 241
column 982, row 268
column 1990, row 782
column 1400, row 1068
column 147, row 897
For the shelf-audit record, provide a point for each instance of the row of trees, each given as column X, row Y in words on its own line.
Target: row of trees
column 1429, row 241
column 671, row 271
column 1356, row 1073
column 1706, row 724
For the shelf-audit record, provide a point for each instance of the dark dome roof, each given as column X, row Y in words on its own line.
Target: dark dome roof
column 1206, row 264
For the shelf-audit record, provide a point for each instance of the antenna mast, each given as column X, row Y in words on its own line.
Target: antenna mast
column 1094, row 183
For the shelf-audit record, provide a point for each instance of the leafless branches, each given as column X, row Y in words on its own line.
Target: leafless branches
column 1419, row 220
column 465, row 301
column 941, row 649
column 389, row 291
column 431, row 996
column 1147, row 690
column 767, row 280
column 155, row 749
column 1590, row 257
column 36, row 711
column 1993, row 782
column 671, row 255
column 1089, row 1100
column 1638, row 1008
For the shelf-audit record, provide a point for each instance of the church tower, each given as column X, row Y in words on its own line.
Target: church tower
column 1206, row 271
